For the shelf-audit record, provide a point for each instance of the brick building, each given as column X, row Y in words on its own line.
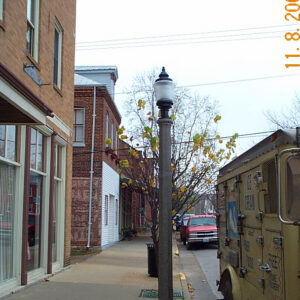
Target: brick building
column 134, row 206
column 95, row 193
column 36, row 117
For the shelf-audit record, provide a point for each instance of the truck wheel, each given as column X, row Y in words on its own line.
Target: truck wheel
column 227, row 291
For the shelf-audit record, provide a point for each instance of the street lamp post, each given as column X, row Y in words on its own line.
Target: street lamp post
column 164, row 93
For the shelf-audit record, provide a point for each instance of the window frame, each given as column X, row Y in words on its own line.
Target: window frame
column 79, row 143
column 6, row 141
column 34, row 43
column 57, row 62
column 106, row 126
column 112, row 134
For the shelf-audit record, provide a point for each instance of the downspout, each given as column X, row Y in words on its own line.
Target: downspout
column 92, row 170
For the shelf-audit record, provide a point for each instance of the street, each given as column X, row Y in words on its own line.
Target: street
column 201, row 268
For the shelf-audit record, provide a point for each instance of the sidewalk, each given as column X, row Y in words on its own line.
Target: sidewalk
column 120, row 272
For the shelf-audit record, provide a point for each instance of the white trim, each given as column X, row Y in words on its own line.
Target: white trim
column 75, row 143
column 61, row 141
column 60, row 124
column 36, row 17
column 38, row 172
column 44, row 129
column 20, row 102
column 59, row 30
column 8, row 161
column 61, row 209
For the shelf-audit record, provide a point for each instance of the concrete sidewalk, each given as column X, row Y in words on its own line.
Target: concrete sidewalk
column 120, row 272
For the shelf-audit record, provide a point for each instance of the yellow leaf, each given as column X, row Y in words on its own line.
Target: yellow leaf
column 207, row 180
column 108, row 141
column 150, row 118
column 173, row 168
column 193, row 169
column 173, row 117
column 211, row 156
column 173, row 195
column 182, row 189
column 217, row 118
column 123, row 137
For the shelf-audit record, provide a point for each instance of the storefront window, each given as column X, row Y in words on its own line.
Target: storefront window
column 35, row 200
column 34, row 221
column 7, row 230
column 8, row 141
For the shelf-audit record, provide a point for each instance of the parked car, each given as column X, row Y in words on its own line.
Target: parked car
column 201, row 229
column 183, row 225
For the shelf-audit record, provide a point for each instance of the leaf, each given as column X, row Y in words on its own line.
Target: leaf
column 173, row 168
column 108, row 141
column 196, row 138
column 173, row 117
column 182, row 189
column 193, row 169
column 148, row 129
column 123, row 137
column 141, row 104
column 217, row 118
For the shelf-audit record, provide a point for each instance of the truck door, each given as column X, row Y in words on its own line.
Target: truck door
column 272, row 263
column 251, row 248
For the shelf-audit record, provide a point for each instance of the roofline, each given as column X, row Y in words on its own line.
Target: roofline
column 278, row 138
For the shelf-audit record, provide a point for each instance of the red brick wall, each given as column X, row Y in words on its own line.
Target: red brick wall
column 13, row 56
column 80, row 211
column 82, row 160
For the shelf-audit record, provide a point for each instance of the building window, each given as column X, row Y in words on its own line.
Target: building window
column 35, row 199
column 36, row 150
column 8, row 141
column 32, row 34
column 57, row 54
column 106, row 210
column 7, row 228
column 1, row 11
column 112, row 135
column 78, row 126
column 116, row 141
column 106, row 126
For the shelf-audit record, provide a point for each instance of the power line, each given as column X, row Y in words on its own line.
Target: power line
column 173, row 43
column 224, row 82
column 245, row 135
column 185, row 34
column 163, row 41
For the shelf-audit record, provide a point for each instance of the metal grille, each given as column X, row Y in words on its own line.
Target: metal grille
column 154, row 294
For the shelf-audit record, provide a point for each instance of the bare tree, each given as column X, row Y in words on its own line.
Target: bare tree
column 196, row 150
column 286, row 119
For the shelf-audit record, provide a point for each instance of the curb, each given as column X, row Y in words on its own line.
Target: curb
column 184, row 286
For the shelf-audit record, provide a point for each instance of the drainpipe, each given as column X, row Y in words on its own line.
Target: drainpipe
column 298, row 136
column 92, row 170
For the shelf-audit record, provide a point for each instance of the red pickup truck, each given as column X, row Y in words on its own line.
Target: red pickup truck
column 201, row 229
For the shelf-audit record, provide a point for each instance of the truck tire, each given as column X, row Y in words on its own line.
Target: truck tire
column 227, row 290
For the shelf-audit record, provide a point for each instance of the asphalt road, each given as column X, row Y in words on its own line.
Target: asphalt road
column 201, row 268
column 207, row 259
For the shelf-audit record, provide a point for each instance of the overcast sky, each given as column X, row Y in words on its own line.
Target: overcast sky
column 201, row 51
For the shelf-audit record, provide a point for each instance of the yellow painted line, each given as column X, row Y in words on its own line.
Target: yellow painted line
column 182, row 276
